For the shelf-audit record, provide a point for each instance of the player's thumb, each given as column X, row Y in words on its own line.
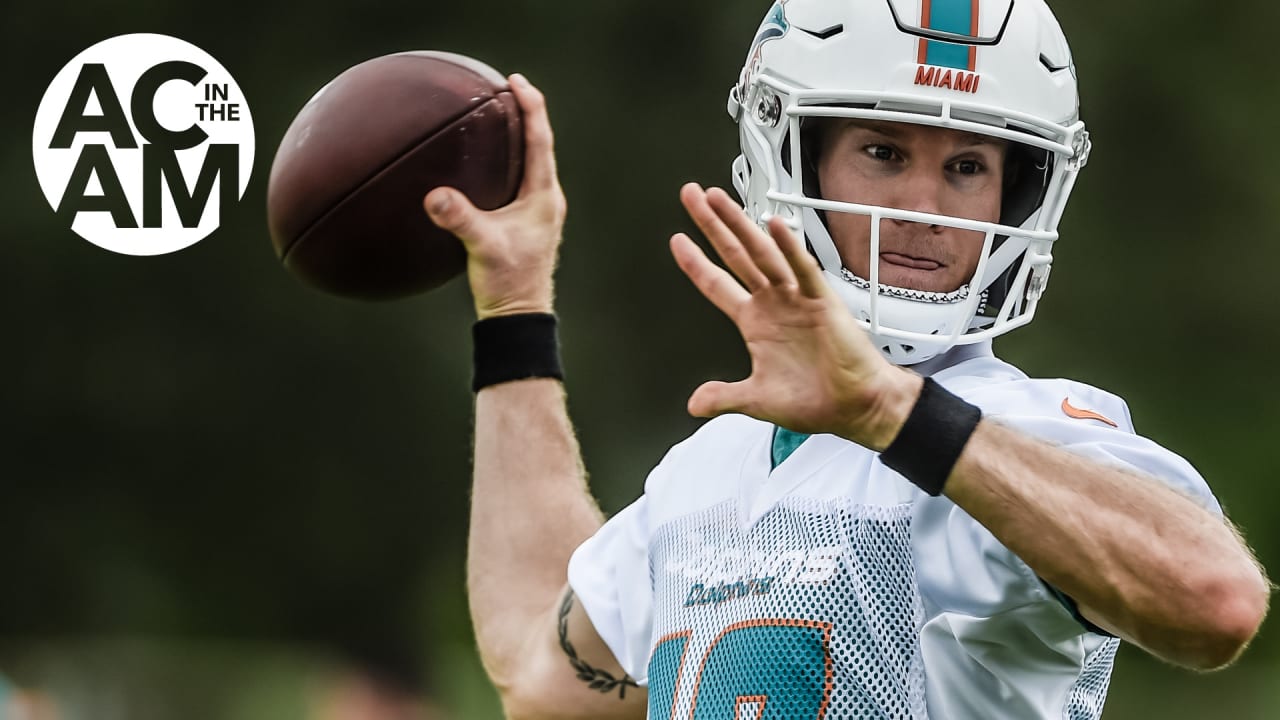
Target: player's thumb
column 717, row 398
column 452, row 211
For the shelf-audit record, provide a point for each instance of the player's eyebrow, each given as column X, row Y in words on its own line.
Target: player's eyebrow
column 971, row 139
column 895, row 131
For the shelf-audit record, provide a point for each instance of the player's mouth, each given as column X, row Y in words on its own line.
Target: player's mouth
column 909, row 261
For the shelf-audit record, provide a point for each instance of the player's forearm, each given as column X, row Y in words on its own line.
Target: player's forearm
column 530, row 509
column 1139, row 558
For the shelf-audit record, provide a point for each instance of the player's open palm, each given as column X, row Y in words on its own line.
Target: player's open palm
column 813, row 369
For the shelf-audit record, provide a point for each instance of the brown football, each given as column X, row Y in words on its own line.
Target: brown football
column 344, row 201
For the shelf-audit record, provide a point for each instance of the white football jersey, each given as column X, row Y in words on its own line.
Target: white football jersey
column 832, row 587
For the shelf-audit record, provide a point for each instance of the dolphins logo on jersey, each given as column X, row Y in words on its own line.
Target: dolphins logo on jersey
column 774, row 26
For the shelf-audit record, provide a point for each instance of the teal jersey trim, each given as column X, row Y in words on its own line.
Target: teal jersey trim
column 785, row 442
column 952, row 16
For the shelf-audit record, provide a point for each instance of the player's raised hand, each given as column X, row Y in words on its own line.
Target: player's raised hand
column 813, row 369
column 511, row 251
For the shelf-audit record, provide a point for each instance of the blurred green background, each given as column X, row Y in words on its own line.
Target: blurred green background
column 221, row 490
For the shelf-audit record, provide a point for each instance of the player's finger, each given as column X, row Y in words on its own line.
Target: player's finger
column 452, row 211
column 539, row 143
column 711, row 280
column 763, row 250
column 717, row 398
column 727, row 246
column 803, row 264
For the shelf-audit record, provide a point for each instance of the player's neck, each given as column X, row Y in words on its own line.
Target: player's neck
column 952, row 357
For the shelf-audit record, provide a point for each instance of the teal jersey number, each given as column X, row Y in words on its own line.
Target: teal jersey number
column 782, row 667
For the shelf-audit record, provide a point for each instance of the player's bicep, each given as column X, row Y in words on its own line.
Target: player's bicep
column 572, row 673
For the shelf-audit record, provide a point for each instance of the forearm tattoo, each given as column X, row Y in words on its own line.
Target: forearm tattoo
column 595, row 678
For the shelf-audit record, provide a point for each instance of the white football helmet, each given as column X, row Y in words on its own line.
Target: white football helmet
column 997, row 67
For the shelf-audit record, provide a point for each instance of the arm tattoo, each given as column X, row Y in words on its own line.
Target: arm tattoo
column 595, row 678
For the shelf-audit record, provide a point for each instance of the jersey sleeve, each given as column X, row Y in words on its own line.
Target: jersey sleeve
column 1110, row 440
column 1002, row 582
column 609, row 574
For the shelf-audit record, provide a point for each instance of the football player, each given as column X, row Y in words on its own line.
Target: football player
column 884, row 519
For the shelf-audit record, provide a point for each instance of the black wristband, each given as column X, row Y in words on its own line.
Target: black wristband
column 515, row 347
column 932, row 438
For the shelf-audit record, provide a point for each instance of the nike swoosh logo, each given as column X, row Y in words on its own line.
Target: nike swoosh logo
column 1075, row 412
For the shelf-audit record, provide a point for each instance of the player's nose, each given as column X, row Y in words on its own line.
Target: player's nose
column 921, row 191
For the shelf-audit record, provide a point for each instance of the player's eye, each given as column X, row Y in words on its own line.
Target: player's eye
column 967, row 167
column 884, row 153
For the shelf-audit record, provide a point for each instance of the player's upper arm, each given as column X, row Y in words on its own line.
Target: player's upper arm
column 571, row 673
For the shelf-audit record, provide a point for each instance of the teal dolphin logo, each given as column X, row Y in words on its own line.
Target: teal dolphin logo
column 774, row 26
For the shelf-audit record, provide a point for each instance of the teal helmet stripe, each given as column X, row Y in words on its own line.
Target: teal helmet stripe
column 953, row 16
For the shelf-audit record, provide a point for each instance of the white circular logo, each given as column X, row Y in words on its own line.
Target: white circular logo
column 143, row 143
